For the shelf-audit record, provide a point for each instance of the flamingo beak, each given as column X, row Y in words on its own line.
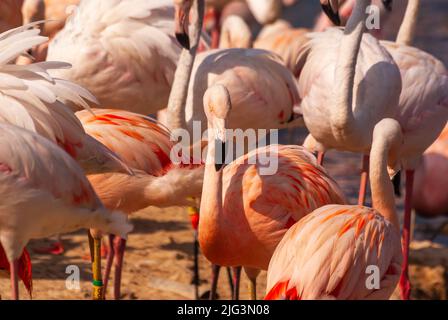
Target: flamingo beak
column 220, row 145
column 182, row 22
column 387, row 4
column 331, row 9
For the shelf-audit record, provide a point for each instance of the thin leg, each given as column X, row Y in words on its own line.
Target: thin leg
column 320, row 158
column 194, row 219
column 236, row 282
column 405, row 285
column 364, row 180
column 253, row 288
column 196, row 266
column 98, row 293
column 14, row 270
column 109, row 261
column 120, row 245
column 215, row 276
column 230, row 278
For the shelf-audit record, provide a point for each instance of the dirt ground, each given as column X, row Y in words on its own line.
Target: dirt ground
column 159, row 257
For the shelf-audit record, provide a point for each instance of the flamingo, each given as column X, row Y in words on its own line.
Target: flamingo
column 422, row 111
column 10, row 14
column 235, row 33
column 244, row 213
column 122, row 46
column 328, row 253
column 55, row 197
column 145, row 146
column 368, row 87
column 429, row 196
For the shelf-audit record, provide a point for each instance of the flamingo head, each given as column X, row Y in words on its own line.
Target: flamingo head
column 217, row 106
column 25, row 269
column 182, row 21
column 331, row 9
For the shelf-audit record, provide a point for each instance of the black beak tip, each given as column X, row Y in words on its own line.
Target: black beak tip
column 184, row 40
column 218, row 166
column 333, row 16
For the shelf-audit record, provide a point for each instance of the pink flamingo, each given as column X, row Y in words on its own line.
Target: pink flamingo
column 55, row 197
column 328, row 253
column 145, row 146
column 368, row 87
column 244, row 213
column 422, row 111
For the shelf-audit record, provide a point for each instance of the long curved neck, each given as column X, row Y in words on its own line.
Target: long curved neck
column 179, row 90
column 211, row 201
column 342, row 115
column 382, row 190
column 407, row 29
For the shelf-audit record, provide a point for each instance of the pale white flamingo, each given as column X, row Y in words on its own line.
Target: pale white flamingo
column 145, row 146
column 55, row 197
column 245, row 213
column 331, row 252
column 123, row 51
column 422, row 111
column 348, row 82
column 235, row 33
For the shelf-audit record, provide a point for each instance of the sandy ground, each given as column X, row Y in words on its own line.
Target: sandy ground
column 158, row 261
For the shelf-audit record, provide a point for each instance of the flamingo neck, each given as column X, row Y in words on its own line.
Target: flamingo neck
column 384, row 144
column 179, row 90
column 342, row 118
column 211, row 201
column 407, row 29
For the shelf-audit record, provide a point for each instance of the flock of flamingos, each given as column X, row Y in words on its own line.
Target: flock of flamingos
column 77, row 149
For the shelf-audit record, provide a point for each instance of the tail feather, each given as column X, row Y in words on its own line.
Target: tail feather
column 112, row 222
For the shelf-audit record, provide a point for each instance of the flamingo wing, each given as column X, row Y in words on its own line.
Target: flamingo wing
column 329, row 255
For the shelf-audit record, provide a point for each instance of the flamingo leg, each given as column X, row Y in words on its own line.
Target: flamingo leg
column 119, row 247
column 320, row 158
column 236, row 282
column 98, row 293
column 109, row 261
column 14, row 272
column 215, row 276
column 230, row 278
column 364, row 180
column 253, row 288
column 405, row 285
column 196, row 266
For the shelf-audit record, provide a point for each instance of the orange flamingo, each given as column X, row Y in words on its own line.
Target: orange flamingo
column 244, row 213
column 327, row 254
column 145, row 146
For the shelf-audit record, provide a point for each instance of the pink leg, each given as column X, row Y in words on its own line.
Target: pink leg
column 364, row 180
column 109, row 261
column 405, row 285
column 119, row 246
column 14, row 270
column 236, row 282
column 320, row 158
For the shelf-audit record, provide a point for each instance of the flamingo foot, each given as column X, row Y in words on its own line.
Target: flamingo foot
column 56, row 249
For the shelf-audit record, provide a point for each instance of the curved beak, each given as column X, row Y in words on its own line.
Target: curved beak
column 387, row 4
column 331, row 9
column 182, row 21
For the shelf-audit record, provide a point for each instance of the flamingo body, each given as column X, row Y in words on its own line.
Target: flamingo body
column 326, row 255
